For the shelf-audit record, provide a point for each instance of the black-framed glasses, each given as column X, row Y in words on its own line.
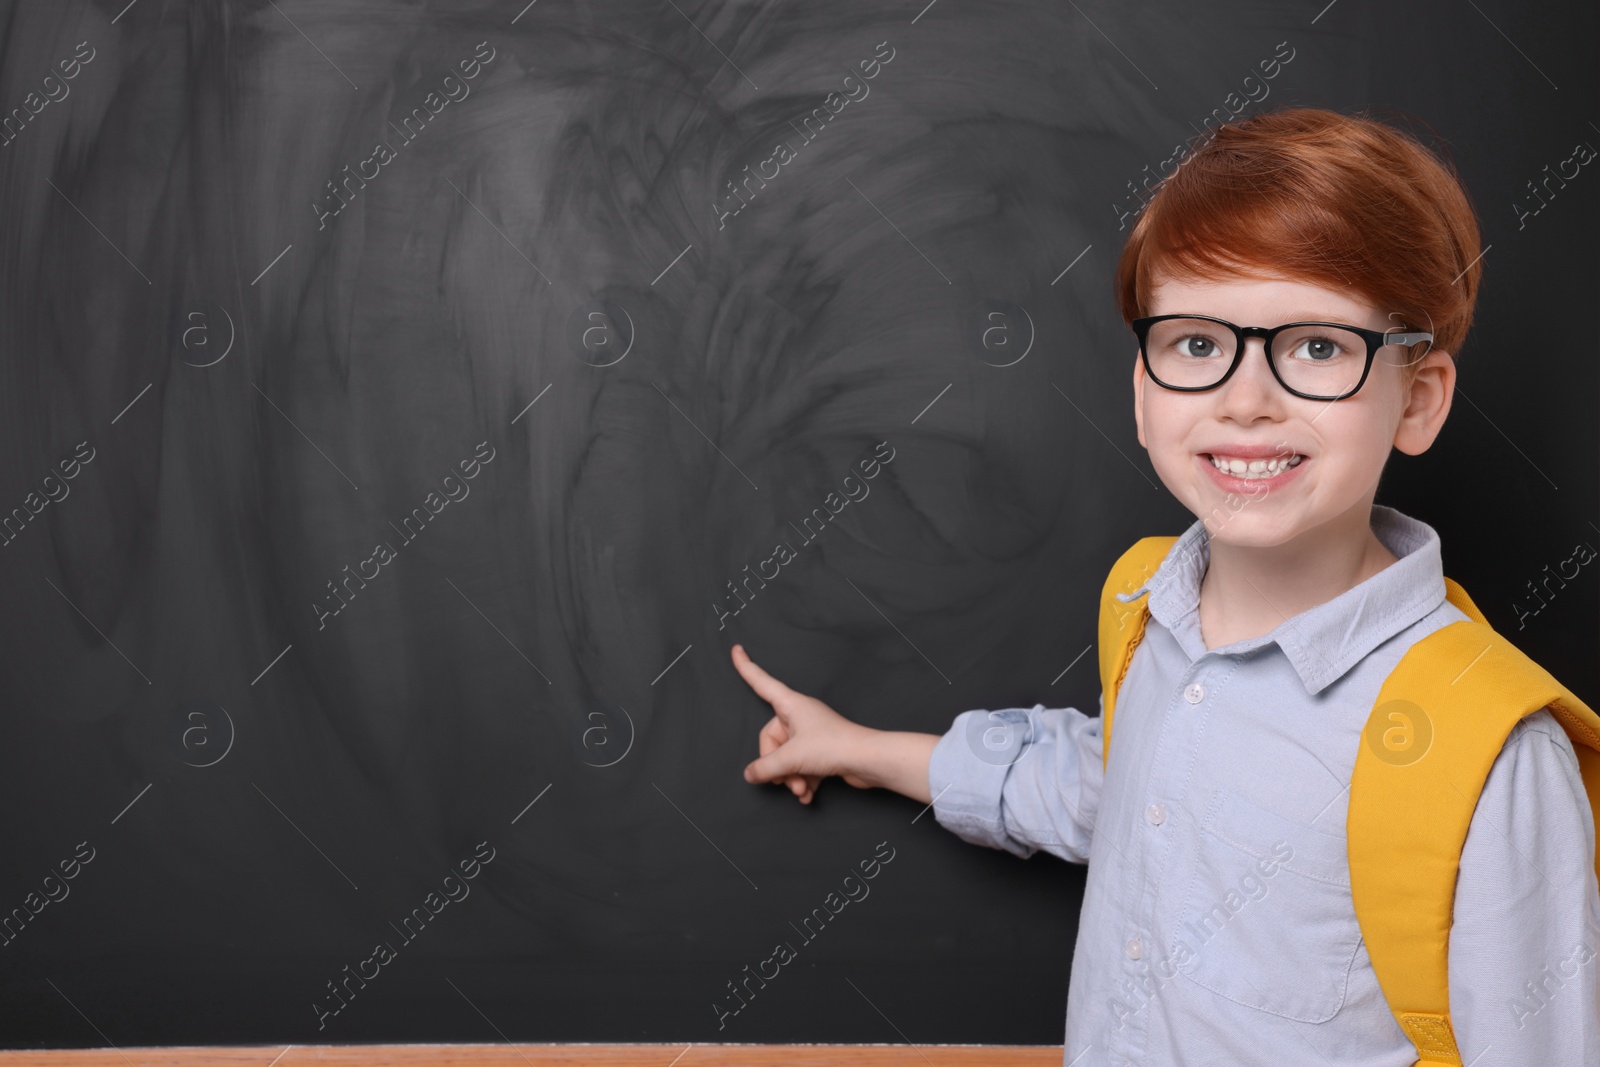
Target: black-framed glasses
column 1314, row 360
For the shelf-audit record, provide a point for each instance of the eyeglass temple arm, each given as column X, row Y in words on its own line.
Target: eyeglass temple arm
column 1406, row 338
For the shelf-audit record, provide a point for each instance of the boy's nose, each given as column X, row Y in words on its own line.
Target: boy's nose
column 1252, row 380
column 1252, row 387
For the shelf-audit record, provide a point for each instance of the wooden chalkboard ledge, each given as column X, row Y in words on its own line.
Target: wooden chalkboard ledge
column 527, row 1055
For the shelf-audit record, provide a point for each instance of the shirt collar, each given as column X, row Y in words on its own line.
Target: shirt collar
column 1323, row 642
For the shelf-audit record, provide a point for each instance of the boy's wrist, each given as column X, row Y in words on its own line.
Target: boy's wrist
column 892, row 759
column 859, row 755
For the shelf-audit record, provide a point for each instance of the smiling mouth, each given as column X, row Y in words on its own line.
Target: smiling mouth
column 1251, row 469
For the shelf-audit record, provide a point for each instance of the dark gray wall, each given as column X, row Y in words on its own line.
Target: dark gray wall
column 264, row 389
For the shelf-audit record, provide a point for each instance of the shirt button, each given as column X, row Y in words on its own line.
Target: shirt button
column 1195, row 693
column 1156, row 814
column 1135, row 948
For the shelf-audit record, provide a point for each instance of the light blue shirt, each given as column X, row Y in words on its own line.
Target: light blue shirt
column 1220, row 822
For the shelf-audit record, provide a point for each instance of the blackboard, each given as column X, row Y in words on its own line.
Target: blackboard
column 398, row 395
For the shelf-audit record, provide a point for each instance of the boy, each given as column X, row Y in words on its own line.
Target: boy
column 1218, row 924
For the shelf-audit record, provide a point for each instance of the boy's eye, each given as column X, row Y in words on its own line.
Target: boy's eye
column 1198, row 346
column 1316, row 349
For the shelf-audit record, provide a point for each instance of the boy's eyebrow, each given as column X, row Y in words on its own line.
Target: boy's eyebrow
column 1312, row 315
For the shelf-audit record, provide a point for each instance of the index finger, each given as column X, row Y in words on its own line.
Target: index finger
column 766, row 686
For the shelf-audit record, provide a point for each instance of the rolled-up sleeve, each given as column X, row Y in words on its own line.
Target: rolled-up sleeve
column 1526, row 931
column 1020, row 780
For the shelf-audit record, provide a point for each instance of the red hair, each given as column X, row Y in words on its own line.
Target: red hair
column 1344, row 202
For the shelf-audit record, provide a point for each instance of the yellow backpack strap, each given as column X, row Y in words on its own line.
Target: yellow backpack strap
column 1122, row 625
column 1440, row 720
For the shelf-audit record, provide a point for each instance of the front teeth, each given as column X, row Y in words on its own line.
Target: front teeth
column 1255, row 468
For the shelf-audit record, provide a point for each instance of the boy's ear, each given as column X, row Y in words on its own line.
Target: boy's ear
column 1138, row 397
column 1427, row 403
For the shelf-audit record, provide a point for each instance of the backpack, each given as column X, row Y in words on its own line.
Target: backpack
column 1431, row 772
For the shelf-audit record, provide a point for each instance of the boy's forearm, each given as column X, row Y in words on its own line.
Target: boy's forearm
column 895, row 759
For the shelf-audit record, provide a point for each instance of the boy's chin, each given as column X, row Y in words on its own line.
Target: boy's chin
column 1256, row 531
